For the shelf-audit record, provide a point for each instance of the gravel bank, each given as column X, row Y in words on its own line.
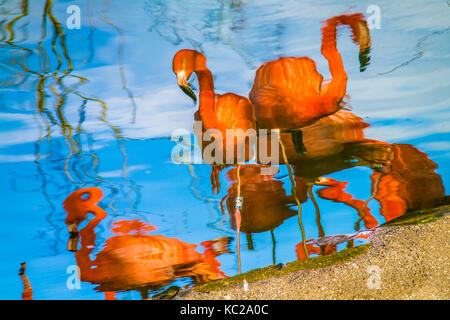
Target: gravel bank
column 412, row 260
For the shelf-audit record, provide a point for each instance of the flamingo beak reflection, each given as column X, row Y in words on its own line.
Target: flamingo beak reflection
column 183, row 84
column 73, row 239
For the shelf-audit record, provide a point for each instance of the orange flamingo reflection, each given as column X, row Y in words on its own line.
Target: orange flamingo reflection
column 133, row 260
column 313, row 249
column 317, row 247
column 266, row 204
column 403, row 178
column 335, row 191
column 289, row 94
column 226, row 119
column 27, row 293
column 335, row 133
column 218, row 114
column 411, row 183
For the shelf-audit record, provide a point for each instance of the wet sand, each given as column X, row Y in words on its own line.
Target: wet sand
column 412, row 262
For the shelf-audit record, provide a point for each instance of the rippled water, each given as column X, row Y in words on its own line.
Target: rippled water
column 96, row 106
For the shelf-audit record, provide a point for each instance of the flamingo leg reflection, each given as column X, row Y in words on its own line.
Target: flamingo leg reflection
column 319, row 224
column 362, row 211
column 274, row 246
column 294, row 193
column 237, row 217
column 297, row 141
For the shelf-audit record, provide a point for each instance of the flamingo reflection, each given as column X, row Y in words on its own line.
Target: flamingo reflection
column 403, row 178
column 217, row 113
column 266, row 203
column 313, row 248
column 317, row 247
column 335, row 134
column 289, row 93
column 27, row 293
column 132, row 259
column 411, row 183
column 225, row 120
column 335, row 191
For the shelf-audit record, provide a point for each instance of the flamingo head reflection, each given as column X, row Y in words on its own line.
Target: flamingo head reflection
column 184, row 63
column 78, row 205
column 324, row 181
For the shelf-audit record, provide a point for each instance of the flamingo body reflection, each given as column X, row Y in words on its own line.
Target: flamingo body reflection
column 217, row 113
column 267, row 204
column 288, row 93
column 134, row 261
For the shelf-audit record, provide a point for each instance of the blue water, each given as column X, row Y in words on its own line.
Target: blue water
column 403, row 95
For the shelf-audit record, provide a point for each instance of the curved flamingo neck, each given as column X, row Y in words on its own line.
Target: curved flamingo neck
column 329, row 47
column 338, row 85
column 88, row 236
column 207, row 95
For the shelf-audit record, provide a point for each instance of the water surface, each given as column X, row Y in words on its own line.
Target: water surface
column 96, row 106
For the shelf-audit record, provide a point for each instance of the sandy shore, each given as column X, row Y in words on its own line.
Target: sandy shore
column 412, row 262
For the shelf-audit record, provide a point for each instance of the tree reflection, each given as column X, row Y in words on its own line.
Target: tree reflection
column 233, row 23
column 71, row 162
